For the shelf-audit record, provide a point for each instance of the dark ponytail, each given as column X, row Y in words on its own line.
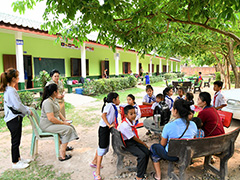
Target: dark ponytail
column 109, row 98
column 48, row 91
column 6, row 77
column 166, row 90
column 132, row 97
column 183, row 108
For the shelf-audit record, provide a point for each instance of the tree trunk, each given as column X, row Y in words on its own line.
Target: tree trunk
column 228, row 73
column 221, row 68
column 233, row 63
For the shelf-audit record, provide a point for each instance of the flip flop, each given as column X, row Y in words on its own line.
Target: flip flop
column 69, row 148
column 66, row 158
column 154, row 176
column 94, row 166
column 96, row 177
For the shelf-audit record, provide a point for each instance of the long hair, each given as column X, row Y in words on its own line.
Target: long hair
column 132, row 97
column 48, row 91
column 166, row 90
column 183, row 108
column 109, row 98
column 6, row 77
column 205, row 96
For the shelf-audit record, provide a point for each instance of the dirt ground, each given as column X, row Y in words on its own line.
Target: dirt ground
column 85, row 148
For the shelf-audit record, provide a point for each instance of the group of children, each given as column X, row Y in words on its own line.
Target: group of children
column 162, row 103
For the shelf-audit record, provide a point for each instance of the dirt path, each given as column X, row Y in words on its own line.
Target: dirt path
column 85, row 147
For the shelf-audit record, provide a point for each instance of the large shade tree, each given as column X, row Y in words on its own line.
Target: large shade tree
column 140, row 24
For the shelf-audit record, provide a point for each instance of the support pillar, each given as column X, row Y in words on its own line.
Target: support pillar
column 171, row 66
column 137, row 64
column 150, row 73
column 83, row 61
column 117, row 57
column 19, row 59
column 160, row 65
column 167, row 67
column 176, row 67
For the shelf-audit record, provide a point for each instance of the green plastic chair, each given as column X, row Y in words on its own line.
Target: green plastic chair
column 38, row 134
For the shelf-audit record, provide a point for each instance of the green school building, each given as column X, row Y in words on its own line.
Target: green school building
column 29, row 49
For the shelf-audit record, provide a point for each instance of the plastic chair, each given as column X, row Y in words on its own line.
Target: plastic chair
column 38, row 134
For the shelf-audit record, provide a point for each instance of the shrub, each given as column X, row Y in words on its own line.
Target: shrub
column 170, row 75
column 218, row 76
column 26, row 98
column 154, row 79
column 180, row 75
column 102, row 86
column 1, row 102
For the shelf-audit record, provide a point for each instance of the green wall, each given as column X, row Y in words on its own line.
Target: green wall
column 7, row 46
column 46, row 48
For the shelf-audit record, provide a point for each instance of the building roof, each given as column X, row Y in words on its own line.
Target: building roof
column 35, row 26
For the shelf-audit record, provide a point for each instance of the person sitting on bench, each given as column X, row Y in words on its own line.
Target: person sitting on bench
column 180, row 128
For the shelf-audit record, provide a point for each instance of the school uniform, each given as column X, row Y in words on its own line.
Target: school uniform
column 147, row 79
column 169, row 102
column 149, row 99
column 104, row 131
column 178, row 97
column 128, row 131
column 137, row 111
column 218, row 99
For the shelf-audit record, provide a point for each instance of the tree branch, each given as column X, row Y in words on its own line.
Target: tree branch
column 188, row 11
column 165, row 30
column 229, row 34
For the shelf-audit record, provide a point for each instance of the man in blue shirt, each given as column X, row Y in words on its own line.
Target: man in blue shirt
column 147, row 79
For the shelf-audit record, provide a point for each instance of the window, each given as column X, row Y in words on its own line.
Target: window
column 76, row 67
column 126, row 67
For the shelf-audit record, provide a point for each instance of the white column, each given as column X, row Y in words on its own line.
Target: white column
column 176, row 67
column 160, row 65
column 83, row 61
column 137, row 64
column 117, row 57
column 171, row 66
column 150, row 73
column 167, row 65
column 19, row 57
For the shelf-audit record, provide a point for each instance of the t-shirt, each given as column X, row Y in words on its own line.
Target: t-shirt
column 109, row 109
column 169, row 102
column 175, row 129
column 126, row 129
column 147, row 79
column 178, row 97
column 210, row 118
column 218, row 99
column 149, row 99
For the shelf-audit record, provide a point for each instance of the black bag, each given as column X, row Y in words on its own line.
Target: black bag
column 14, row 111
column 81, row 80
column 163, row 109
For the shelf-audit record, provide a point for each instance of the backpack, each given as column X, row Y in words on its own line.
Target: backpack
column 163, row 109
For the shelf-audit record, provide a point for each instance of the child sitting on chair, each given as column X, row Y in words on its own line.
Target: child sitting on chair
column 149, row 98
column 180, row 94
column 133, row 144
column 200, row 132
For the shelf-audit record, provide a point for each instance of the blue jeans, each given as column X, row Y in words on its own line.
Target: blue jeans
column 158, row 152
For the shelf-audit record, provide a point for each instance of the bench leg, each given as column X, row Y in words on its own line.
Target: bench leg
column 33, row 145
column 170, row 169
column 119, row 164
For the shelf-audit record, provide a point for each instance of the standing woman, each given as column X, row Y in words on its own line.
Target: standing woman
column 55, row 79
column 14, row 112
column 54, row 122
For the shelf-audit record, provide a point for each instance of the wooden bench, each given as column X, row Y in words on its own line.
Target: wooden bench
column 69, row 87
column 186, row 149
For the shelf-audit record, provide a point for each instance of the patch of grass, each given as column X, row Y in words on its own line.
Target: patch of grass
column 122, row 94
column 159, row 84
column 92, row 109
column 35, row 171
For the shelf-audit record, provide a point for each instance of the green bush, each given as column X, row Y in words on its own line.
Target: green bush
column 154, row 79
column 180, row 75
column 1, row 102
column 170, row 76
column 26, row 98
column 218, row 76
column 102, row 86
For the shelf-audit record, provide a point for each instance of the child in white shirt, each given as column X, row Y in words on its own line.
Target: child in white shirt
column 180, row 94
column 168, row 92
column 218, row 101
column 149, row 98
column 133, row 144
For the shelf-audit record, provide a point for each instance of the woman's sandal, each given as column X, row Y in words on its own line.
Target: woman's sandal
column 66, row 158
column 94, row 166
column 69, row 148
column 96, row 177
column 154, row 176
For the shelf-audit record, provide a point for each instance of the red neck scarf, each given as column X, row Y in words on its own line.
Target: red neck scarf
column 132, row 126
column 215, row 96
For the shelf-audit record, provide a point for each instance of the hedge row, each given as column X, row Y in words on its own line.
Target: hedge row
column 102, row 86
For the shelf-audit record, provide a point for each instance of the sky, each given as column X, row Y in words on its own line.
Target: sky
column 35, row 14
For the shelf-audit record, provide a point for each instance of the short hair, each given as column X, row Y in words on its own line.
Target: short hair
column 160, row 96
column 181, row 89
column 205, row 96
column 197, row 121
column 149, row 87
column 218, row 83
column 200, row 72
column 146, row 72
column 127, row 108
column 189, row 96
column 53, row 72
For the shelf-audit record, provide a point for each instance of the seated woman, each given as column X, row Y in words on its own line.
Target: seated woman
column 53, row 121
column 179, row 128
column 212, row 124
